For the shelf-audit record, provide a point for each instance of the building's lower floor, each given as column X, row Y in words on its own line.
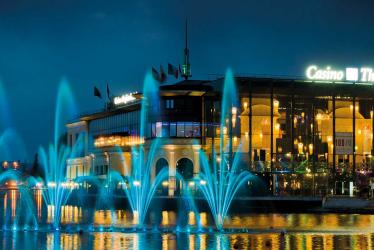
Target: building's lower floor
column 299, row 175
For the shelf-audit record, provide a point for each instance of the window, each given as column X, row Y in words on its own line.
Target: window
column 158, row 129
column 153, row 130
column 169, row 103
column 173, row 129
column 196, row 129
column 176, row 129
column 180, row 129
column 165, row 129
column 188, row 129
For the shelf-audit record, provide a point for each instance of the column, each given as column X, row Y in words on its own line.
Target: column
column 354, row 137
column 196, row 165
column 372, row 127
column 203, row 122
column 292, row 127
column 313, row 154
column 172, row 171
column 250, row 127
column 333, row 135
column 271, row 127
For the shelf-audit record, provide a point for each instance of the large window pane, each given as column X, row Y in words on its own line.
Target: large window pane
column 180, row 129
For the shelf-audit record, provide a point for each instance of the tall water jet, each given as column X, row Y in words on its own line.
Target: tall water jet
column 53, row 160
column 5, row 121
column 12, row 147
column 221, row 178
column 140, row 188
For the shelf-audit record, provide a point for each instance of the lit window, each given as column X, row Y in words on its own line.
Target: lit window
column 169, row 103
column 165, row 129
column 158, row 129
column 188, row 129
column 173, row 129
column 180, row 129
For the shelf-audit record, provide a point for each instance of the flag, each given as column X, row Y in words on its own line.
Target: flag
column 155, row 74
column 97, row 92
column 108, row 91
column 163, row 75
column 172, row 70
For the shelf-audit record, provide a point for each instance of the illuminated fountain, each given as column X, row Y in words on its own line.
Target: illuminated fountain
column 11, row 144
column 221, row 178
column 140, row 188
column 219, row 181
column 19, row 209
column 138, row 184
column 19, row 206
column 53, row 161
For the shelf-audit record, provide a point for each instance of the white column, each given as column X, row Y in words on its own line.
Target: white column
column 196, row 164
column 172, row 171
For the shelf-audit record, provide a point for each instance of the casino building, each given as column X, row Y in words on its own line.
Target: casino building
column 309, row 136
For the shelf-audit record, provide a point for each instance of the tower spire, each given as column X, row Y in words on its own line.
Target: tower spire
column 186, row 67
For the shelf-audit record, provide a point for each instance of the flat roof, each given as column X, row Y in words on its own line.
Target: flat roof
column 245, row 84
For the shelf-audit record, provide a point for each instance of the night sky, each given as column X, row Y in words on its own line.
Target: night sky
column 96, row 42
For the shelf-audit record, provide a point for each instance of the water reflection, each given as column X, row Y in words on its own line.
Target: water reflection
column 267, row 231
column 124, row 218
column 119, row 218
column 313, row 222
column 10, row 199
column 113, row 240
column 39, row 202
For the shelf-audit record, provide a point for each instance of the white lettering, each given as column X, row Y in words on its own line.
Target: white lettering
column 350, row 74
column 314, row 73
column 310, row 72
column 367, row 75
column 124, row 99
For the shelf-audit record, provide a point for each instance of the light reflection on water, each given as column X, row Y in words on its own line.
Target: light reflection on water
column 124, row 218
column 137, row 241
column 304, row 221
column 301, row 231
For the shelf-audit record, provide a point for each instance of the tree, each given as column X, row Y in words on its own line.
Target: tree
column 36, row 169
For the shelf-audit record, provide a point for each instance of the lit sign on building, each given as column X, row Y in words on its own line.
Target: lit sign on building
column 364, row 74
column 124, row 99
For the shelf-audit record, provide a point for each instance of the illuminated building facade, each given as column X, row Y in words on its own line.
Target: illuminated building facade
column 286, row 128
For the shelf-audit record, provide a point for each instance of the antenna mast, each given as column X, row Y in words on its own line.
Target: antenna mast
column 186, row 67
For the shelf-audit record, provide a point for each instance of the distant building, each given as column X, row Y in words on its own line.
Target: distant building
column 18, row 168
column 287, row 128
column 15, row 165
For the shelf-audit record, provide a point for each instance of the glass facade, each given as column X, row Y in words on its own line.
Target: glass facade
column 300, row 137
column 119, row 123
column 290, row 133
column 174, row 129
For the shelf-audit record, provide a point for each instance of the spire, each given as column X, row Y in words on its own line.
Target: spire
column 186, row 36
column 186, row 68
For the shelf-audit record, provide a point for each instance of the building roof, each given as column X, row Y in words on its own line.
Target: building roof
column 245, row 84
column 198, row 85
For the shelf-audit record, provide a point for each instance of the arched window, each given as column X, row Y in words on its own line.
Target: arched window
column 160, row 164
column 185, row 168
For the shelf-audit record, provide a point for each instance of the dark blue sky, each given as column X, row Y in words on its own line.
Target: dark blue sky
column 95, row 42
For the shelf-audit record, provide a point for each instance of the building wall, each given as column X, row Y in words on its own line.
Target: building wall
column 78, row 130
column 302, row 132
